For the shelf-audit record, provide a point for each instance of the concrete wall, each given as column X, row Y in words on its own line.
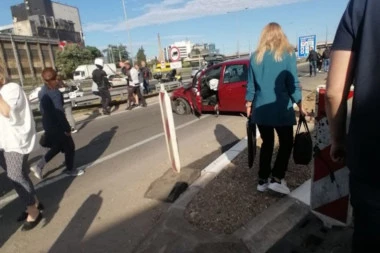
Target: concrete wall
column 22, row 28
column 25, row 57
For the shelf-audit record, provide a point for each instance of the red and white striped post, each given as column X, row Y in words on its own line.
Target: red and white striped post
column 330, row 198
column 169, row 128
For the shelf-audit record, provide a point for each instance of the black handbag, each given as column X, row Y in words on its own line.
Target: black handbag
column 303, row 144
column 251, row 134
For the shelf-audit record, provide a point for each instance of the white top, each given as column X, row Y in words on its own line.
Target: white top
column 18, row 132
column 134, row 76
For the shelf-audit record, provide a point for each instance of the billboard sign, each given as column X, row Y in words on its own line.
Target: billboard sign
column 304, row 44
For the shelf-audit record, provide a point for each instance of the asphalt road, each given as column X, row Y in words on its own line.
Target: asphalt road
column 120, row 198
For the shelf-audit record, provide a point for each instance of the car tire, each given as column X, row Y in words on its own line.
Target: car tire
column 181, row 106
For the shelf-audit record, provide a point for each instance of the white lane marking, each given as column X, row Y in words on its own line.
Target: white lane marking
column 81, row 122
column 12, row 197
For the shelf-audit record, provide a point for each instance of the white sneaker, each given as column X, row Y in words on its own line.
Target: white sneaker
column 37, row 170
column 262, row 185
column 279, row 187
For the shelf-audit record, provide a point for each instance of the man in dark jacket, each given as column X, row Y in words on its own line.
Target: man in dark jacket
column 326, row 59
column 313, row 58
column 145, row 72
column 57, row 128
column 99, row 76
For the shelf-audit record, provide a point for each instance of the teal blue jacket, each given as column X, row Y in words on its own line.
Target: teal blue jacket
column 273, row 87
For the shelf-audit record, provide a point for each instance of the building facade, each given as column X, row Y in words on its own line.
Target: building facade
column 24, row 58
column 47, row 19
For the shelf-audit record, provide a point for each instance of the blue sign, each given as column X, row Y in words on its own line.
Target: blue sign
column 305, row 43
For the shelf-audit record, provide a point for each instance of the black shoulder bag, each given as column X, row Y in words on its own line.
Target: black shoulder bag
column 303, row 144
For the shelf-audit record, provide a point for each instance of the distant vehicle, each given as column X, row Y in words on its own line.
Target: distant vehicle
column 117, row 80
column 75, row 91
column 220, row 87
column 159, row 71
column 83, row 72
column 210, row 60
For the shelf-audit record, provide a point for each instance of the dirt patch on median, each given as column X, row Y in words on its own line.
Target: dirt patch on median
column 231, row 199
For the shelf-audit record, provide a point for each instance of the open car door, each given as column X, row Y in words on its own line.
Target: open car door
column 196, row 98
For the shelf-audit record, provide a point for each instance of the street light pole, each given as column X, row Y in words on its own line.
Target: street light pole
column 129, row 35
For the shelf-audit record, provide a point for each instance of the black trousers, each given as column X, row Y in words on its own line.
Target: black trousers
column 365, row 200
column 63, row 144
column 106, row 99
column 285, row 135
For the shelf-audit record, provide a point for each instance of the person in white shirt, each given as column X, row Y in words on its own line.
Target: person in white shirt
column 17, row 140
column 134, row 87
column 137, row 80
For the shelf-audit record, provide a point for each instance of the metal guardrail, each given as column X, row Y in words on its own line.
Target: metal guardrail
column 90, row 99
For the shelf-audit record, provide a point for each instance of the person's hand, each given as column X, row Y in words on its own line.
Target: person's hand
column 68, row 133
column 338, row 152
column 249, row 110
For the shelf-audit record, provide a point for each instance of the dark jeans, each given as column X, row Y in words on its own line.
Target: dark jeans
column 365, row 200
column 313, row 67
column 63, row 144
column 285, row 135
column 106, row 99
column 146, row 87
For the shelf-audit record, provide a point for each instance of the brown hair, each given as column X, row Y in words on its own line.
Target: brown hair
column 49, row 74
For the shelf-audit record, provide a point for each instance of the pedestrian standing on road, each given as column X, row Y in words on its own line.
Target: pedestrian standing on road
column 145, row 71
column 132, row 96
column 99, row 76
column 17, row 141
column 57, row 128
column 355, row 60
column 137, row 79
column 273, row 87
column 67, row 104
column 313, row 59
column 326, row 59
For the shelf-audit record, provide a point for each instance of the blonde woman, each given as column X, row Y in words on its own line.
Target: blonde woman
column 17, row 140
column 273, row 87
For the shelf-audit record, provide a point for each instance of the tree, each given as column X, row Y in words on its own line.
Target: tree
column 140, row 56
column 70, row 58
column 95, row 52
column 116, row 53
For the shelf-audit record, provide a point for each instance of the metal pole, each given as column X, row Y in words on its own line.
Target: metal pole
column 129, row 35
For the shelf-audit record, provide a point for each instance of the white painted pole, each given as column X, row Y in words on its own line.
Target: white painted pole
column 169, row 129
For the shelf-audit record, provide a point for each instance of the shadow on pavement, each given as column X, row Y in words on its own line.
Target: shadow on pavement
column 71, row 238
column 225, row 137
column 53, row 194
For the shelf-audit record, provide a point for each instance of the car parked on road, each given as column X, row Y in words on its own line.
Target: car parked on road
column 221, row 87
column 117, row 80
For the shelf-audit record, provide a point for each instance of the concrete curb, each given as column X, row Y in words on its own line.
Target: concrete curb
column 263, row 231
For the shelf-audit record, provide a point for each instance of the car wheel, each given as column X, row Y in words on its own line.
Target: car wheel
column 181, row 106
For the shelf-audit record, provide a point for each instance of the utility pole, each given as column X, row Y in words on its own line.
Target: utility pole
column 129, row 35
column 327, row 31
